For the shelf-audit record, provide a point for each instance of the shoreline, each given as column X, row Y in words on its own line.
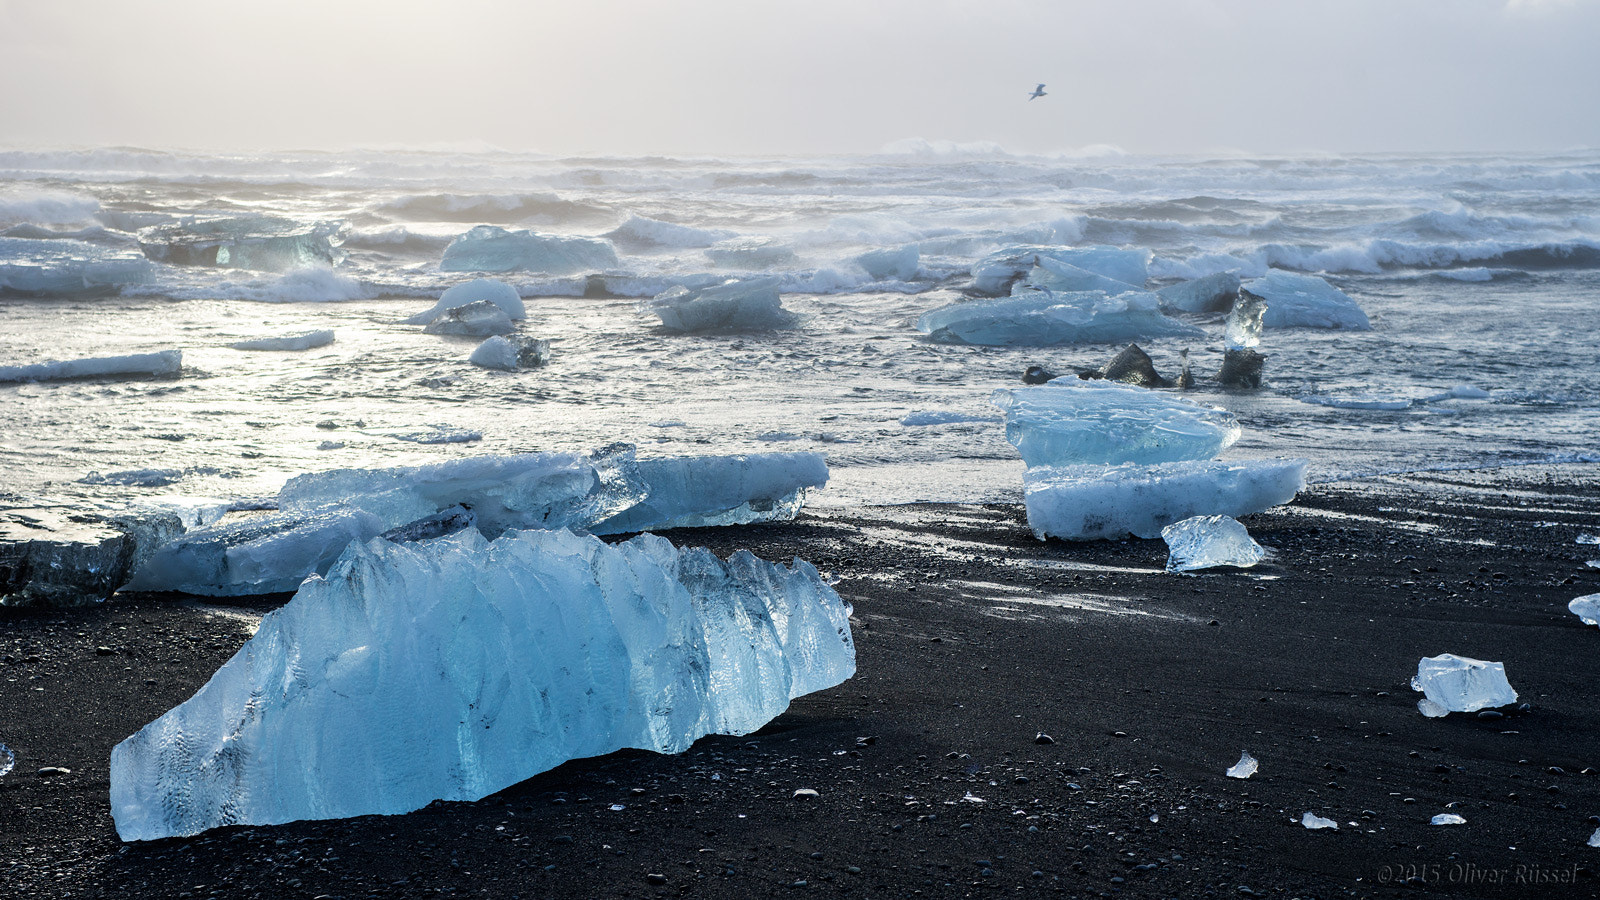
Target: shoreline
column 972, row 638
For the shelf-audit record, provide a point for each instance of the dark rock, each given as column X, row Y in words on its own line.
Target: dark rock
column 1042, row 738
column 1241, row 369
column 441, row 523
column 1133, row 366
column 1037, row 375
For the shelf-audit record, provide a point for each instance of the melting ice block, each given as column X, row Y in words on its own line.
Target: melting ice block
column 497, row 292
column 1211, row 293
column 1071, row 422
column 1082, row 503
column 751, row 305
column 1037, row 318
column 1313, row 821
column 1451, row 683
column 511, row 352
column 480, row 318
column 749, row 253
column 455, row 668
column 290, row 342
column 1205, row 542
column 1447, row 819
column 54, row 267
column 490, row 248
column 994, row 272
column 1586, row 608
column 136, row 365
column 1306, row 301
column 1245, row 767
column 891, row 264
column 1055, row 275
column 696, row 491
column 1245, row 318
column 263, row 243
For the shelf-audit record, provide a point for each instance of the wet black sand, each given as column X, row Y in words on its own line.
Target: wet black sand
column 972, row 639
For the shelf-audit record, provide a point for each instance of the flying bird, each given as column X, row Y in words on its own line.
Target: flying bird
column 1037, row 93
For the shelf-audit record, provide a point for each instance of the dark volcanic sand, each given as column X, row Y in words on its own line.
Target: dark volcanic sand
column 972, row 638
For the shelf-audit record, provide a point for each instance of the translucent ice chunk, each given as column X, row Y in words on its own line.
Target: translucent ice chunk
column 1458, row 684
column 68, row 268
column 1083, row 503
column 137, row 365
column 292, row 342
column 453, row 668
column 1205, row 542
column 497, row 292
column 697, row 491
column 264, row 243
column 994, row 272
column 480, row 318
column 1447, row 819
column 1245, row 767
column 490, row 248
column 8, row 760
column 1314, row 821
column 511, row 352
column 1586, row 608
column 1037, row 318
column 1055, row 275
column 891, row 264
column 1244, row 322
column 1594, row 839
column 643, row 234
column 750, row 305
column 1070, row 422
column 1208, row 294
column 1306, row 301
column 749, row 254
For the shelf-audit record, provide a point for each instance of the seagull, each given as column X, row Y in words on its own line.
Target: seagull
column 1037, row 93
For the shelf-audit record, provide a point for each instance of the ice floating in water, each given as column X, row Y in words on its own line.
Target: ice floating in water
column 490, row 248
column 1459, row 392
column 440, row 434
column 640, row 233
column 243, row 242
column 66, row 268
column 511, row 352
column 1447, row 819
column 1038, row 318
column 1306, row 301
column 1070, row 422
column 455, row 668
column 1451, row 683
column 1055, row 275
column 941, row 417
column 480, row 318
column 749, row 253
column 751, row 305
column 1245, row 767
column 137, row 365
column 1586, row 608
column 893, row 264
column 1211, row 293
column 293, row 342
column 136, row 477
column 497, row 292
column 696, row 491
column 1083, row 503
column 1313, row 821
column 994, row 272
column 1360, row 401
column 1245, row 318
column 1204, row 542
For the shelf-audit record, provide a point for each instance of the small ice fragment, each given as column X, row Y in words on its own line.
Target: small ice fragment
column 480, row 318
column 1244, row 322
column 1589, row 538
column 1211, row 293
column 1431, row 709
column 511, row 352
column 668, row 423
column 1041, row 318
column 331, row 445
column 806, row 794
column 1593, row 563
column 1204, row 542
column 490, row 248
column 1359, row 401
column 1154, row 818
column 135, row 477
column 1586, row 608
column 293, row 342
column 1085, row 503
column 1460, row 392
column 1594, row 839
column 9, row 759
column 1245, row 767
column 617, row 807
column 969, row 797
column 1458, row 684
column 497, row 292
column 1448, row 819
column 895, row 263
column 1313, row 821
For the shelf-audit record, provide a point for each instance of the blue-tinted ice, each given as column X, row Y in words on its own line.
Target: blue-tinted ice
column 1451, row 683
column 1205, row 542
column 490, row 248
column 1040, row 318
column 135, row 365
column 1083, row 503
column 493, row 290
column 1586, row 608
column 1069, row 421
column 1306, row 301
column 749, row 305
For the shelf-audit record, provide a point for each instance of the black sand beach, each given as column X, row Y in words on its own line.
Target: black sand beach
column 973, row 638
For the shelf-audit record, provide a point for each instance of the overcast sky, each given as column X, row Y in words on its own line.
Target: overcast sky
column 813, row 76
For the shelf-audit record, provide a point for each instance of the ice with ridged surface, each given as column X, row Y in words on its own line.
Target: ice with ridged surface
column 1586, row 608
column 1245, row 767
column 511, row 352
column 1055, row 275
column 454, row 668
column 490, row 248
column 1069, row 421
column 748, row 305
column 994, row 272
column 308, row 340
column 1206, row 542
column 1211, row 293
column 1452, row 683
column 1306, row 301
column 1039, row 318
column 1083, row 503
column 1245, row 318
column 134, row 365
column 480, row 318
column 491, row 289
column 697, row 491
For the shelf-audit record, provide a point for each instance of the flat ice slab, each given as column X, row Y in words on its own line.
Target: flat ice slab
column 136, row 365
column 491, row 289
column 750, row 305
column 1056, row 275
column 1451, row 683
column 1069, row 421
column 1206, row 542
column 1211, row 293
column 697, row 491
column 1586, row 608
column 290, row 342
column 454, row 668
column 891, row 264
column 1039, row 318
column 1083, row 503
column 490, row 248
column 1313, row 821
column 1128, row 266
column 1306, row 301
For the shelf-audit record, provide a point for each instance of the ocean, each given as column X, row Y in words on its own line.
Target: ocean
column 1477, row 270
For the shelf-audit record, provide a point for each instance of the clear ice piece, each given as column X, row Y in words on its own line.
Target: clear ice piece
column 455, row 667
column 1447, row 819
column 698, row 491
column 1245, row 767
column 136, row 365
column 511, row 352
column 1306, row 301
column 309, row 340
column 994, row 272
column 1586, row 608
column 490, row 248
column 1459, row 684
column 749, row 305
column 1205, row 542
column 480, row 318
column 1055, row 275
column 1085, row 503
column 1244, row 322
column 263, row 243
column 493, row 290
column 1588, row 539
column 1069, row 421
column 1594, row 839
column 1431, row 709
column 1039, row 318
column 1313, row 821
column 749, row 254
column 67, row 268
column 891, row 264
column 1211, row 293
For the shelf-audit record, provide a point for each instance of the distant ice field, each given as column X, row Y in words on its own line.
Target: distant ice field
column 1481, row 271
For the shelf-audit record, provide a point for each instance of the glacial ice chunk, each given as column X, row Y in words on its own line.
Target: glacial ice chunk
column 1594, row 839
column 1211, row 293
column 291, row 342
column 1457, row 684
column 1586, row 608
column 697, row 491
column 750, row 305
column 994, row 272
column 1245, row 767
column 1306, row 301
column 1069, row 421
column 1054, row 275
column 749, row 254
column 8, row 760
column 136, row 365
column 1205, row 542
column 1245, row 318
column 480, row 318
column 264, row 243
column 1082, row 503
column 497, row 292
column 47, row 561
column 511, row 352
column 55, row 267
column 454, row 668
column 1036, row 318
column 490, row 248
column 1447, row 819
column 643, row 234
column 1313, row 821
column 891, row 263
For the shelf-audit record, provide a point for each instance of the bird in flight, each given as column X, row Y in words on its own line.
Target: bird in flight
column 1037, row 93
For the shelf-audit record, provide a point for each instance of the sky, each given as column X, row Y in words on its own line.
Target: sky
column 776, row 77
